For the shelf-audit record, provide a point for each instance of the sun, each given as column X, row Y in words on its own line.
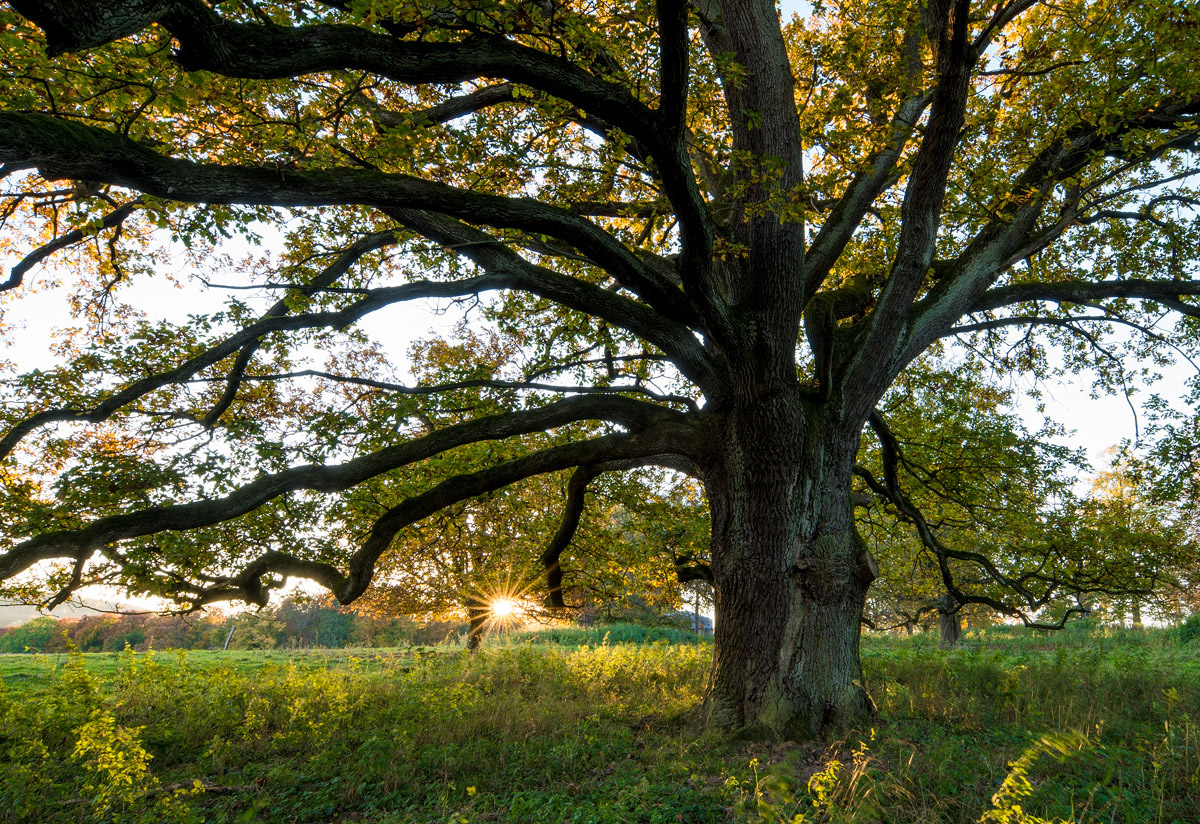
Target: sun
column 504, row 608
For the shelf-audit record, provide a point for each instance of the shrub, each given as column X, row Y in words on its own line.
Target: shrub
column 1189, row 630
column 33, row 636
column 606, row 634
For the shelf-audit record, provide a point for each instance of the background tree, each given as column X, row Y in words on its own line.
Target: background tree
column 971, row 480
column 719, row 236
column 966, row 505
column 256, row 630
column 1145, row 540
column 1168, row 477
column 461, row 560
column 33, row 636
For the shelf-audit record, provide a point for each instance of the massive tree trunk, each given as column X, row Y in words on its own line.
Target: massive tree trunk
column 790, row 573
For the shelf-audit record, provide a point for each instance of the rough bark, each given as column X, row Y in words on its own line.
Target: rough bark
column 790, row 576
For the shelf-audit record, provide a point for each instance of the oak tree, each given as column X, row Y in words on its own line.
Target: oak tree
column 718, row 237
column 1143, row 537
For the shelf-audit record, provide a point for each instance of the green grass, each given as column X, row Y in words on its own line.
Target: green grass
column 1087, row 726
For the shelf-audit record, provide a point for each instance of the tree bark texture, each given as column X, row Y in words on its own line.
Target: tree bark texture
column 949, row 621
column 951, row 626
column 790, row 573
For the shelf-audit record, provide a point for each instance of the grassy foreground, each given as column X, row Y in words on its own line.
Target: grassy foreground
column 1096, row 726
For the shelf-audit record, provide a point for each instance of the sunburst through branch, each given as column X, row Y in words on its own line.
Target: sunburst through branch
column 504, row 609
column 502, row 605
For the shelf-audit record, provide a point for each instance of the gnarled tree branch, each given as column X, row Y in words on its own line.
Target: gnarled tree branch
column 64, row 149
column 636, row 415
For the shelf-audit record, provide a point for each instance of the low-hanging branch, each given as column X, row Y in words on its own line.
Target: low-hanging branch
column 481, row 383
column 608, row 449
column 672, row 332
column 943, row 554
column 509, row 271
column 339, row 319
column 635, row 415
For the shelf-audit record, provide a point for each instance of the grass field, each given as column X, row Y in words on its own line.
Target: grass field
column 1090, row 725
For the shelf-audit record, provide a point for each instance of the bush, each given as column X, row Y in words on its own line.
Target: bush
column 1189, row 630
column 605, row 634
column 35, row 636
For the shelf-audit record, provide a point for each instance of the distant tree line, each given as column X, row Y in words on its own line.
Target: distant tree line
column 300, row 623
column 293, row 624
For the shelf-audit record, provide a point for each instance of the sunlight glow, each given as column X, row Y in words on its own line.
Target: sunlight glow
column 504, row 608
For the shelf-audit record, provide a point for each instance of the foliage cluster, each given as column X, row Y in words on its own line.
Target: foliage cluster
column 1088, row 726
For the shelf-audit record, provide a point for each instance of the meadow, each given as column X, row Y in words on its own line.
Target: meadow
column 1089, row 725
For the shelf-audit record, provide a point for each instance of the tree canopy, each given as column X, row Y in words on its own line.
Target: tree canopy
column 707, row 237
